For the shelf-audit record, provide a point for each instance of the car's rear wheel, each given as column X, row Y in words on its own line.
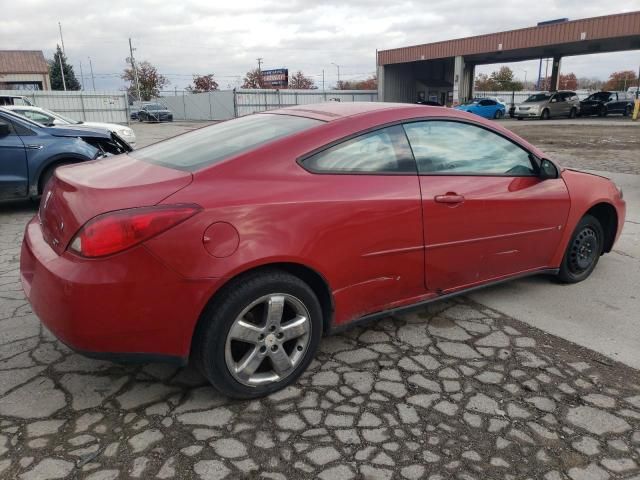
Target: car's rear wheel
column 573, row 113
column 602, row 111
column 519, row 118
column 260, row 335
column 627, row 111
column 583, row 251
column 498, row 115
column 545, row 115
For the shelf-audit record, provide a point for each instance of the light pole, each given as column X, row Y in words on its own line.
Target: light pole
column 525, row 77
column 338, row 67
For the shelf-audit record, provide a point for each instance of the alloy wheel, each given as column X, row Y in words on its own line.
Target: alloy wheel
column 268, row 339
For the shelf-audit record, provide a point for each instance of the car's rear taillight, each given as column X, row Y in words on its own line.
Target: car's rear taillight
column 114, row 232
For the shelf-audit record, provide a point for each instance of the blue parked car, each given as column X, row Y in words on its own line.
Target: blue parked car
column 30, row 152
column 485, row 107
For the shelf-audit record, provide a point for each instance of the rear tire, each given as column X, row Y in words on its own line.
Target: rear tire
column 602, row 111
column 47, row 174
column 573, row 113
column 224, row 360
column 583, row 251
column 498, row 115
column 627, row 111
column 520, row 118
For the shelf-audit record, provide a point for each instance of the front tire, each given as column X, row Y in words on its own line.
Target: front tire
column 545, row 114
column 573, row 113
column 498, row 115
column 583, row 251
column 259, row 335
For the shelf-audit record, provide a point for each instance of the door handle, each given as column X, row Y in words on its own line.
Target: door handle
column 449, row 198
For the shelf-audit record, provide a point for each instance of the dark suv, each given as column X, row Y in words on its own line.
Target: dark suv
column 604, row 103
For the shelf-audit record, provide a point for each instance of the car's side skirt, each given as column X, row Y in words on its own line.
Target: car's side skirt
column 414, row 306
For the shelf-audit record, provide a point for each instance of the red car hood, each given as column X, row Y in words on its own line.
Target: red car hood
column 77, row 193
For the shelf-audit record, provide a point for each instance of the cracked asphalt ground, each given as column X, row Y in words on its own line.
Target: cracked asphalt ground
column 455, row 390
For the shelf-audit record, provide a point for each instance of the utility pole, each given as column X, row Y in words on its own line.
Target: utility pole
column 323, row 79
column 81, row 76
column 93, row 80
column 338, row 67
column 61, row 39
column 135, row 70
column 64, row 83
column 259, row 71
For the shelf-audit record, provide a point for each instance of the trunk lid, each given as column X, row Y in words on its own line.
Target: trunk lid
column 77, row 193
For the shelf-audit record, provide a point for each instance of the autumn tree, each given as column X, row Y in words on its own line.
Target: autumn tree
column 504, row 79
column 55, row 74
column 203, row 83
column 621, row 80
column 568, row 82
column 485, row 84
column 370, row 83
column 300, row 81
column 151, row 82
column 252, row 79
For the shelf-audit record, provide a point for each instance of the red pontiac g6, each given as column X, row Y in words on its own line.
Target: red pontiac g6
column 240, row 244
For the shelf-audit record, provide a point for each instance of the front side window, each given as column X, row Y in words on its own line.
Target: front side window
column 382, row 151
column 454, row 148
column 209, row 145
column 36, row 116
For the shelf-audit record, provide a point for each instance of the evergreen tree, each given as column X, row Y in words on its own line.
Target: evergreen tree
column 54, row 72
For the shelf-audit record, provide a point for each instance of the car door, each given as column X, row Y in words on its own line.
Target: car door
column 369, row 185
column 14, row 174
column 488, row 108
column 559, row 105
column 487, row 214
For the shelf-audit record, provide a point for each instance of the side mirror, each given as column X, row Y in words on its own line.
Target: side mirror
column 547, row 169
column 4, row 130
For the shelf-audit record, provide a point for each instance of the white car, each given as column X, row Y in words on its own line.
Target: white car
column 47, row 117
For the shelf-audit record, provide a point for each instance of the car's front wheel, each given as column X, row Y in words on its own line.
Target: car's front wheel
column 259, row 335
column 583, row 251
column 498, row 115
column 546, row 115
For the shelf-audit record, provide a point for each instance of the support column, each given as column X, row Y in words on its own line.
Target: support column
column 470, row 80
column 555, row 74
column 380, row 74
column 458, row 79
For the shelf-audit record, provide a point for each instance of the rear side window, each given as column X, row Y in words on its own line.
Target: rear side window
column 207, row 146
column 382, row 151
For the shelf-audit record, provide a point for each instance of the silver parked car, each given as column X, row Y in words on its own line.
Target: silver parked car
column 546, row 105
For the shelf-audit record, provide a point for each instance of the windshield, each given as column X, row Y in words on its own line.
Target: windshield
column 154, row 107
column 68, row 120
column 538, row 97
column 601, row 96
column 475, row 101
column 209, row 145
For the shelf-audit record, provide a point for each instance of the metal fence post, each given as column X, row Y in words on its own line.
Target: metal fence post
column 184, row 107
column 210, row 106
column 235, row 104
column 84, row 113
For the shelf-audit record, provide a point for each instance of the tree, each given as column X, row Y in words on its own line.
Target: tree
column 504, row 79
column 592, row 83
column 203, row 83
column 70, row 79
column 151, row 82
column 568, row 82
column 253, row 79
column 370, row 83
column 301, row 82
column 485, row 84
column 621, row 80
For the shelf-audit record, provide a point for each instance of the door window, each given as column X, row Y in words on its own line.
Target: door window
column 382, row 151
column 37, row 116
column 454, row 148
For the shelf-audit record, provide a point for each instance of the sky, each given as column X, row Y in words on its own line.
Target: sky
column 226, row 38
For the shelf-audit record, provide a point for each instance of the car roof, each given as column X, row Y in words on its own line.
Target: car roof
column 23, row 107
column 329, row 111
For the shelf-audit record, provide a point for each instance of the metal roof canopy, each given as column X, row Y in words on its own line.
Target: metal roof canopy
column 578, row 37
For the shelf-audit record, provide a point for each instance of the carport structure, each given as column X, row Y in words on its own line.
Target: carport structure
column 444, row 71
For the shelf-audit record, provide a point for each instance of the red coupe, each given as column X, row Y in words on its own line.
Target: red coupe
column 240, row 244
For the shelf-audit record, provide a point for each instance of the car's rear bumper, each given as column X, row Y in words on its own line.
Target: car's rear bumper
column 129, row 306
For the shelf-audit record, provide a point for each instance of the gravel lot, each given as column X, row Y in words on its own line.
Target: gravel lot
column 456, row 390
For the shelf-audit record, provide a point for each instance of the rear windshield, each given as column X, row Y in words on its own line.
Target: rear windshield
column 207, row 146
